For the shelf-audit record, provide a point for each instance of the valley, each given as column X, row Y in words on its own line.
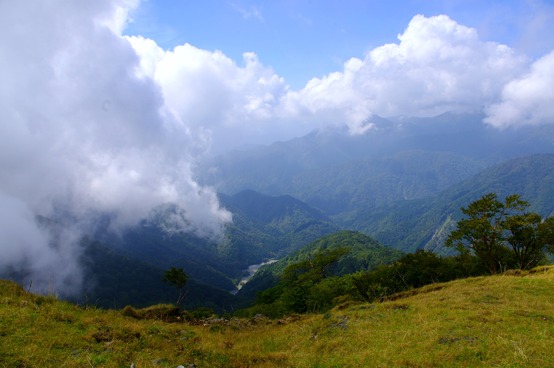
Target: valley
column 402, row 184
column 251, row 272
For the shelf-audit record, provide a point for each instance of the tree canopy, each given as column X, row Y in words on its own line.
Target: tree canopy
column 503, row 234
column 178, row 278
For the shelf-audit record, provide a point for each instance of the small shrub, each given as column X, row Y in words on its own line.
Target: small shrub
column 217, row 329
column 186, row 315
column 202, row 312
column 162, row 312
column 129, row 311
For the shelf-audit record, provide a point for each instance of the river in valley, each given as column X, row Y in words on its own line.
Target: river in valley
column 250, row 272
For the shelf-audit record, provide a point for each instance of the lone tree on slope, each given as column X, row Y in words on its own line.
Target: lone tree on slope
column 178, row 278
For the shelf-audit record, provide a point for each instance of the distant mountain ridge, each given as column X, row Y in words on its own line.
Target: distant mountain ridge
column 392, row 181
column 266, row 227
column 404, row 196
column 404, row 158
column 403, row 184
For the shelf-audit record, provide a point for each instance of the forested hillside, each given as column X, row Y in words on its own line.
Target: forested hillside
column 425, row 223
column 356, row 252
column 271, row 226
column 402, row 183
column 128, row 268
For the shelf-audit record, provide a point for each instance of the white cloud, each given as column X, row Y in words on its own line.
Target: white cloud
column 27, row 250
column 211, row 93
column 80, row 130
column 528, row 99
column 437, row 66
column 252, row 12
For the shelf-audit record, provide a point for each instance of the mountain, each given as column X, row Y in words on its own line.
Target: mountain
column 399, row 159
column 425, row 223
column 115, row 280
column 127, row 268
column 273, row 225
column 402, row 182
column 364, row 253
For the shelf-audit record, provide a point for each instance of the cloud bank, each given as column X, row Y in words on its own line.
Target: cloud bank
column 527, row 99
column 436, row 66
column 82, row 133
column 94, row 122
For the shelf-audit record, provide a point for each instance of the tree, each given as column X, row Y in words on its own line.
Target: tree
column 299, row 280
column 483, row 229
column 530, row 237
column 178, row 278
column 503, row 234
column 546, row 233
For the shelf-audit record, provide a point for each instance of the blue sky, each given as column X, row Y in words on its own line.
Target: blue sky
column 301, row 39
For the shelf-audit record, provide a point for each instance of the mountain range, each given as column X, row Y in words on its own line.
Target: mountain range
column 405, row 180
column 402, row 183
column 400, row 159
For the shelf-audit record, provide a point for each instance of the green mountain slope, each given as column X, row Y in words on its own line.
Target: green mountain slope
column 365, row 253
column 496, row 321
column 127, row 268
column 272, row 225
column 115, row 280
column 425, row 223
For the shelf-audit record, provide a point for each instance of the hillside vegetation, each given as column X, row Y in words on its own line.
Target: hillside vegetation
column 359, row 253
column 425, row 223
column 496, row 321
column 127, row 267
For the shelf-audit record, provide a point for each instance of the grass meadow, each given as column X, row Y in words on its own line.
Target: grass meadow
column 495, row 321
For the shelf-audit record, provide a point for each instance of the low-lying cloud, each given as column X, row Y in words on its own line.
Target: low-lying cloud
column 83, row 133
column 95, row 122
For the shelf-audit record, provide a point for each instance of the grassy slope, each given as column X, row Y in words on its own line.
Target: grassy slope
column 500, row 321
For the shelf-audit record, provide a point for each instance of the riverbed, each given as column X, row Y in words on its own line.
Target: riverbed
column 250, row 272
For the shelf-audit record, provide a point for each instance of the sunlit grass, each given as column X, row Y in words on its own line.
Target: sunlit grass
column 500, row 321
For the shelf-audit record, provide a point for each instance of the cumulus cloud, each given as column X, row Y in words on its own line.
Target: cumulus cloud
column 528, row 99
column 212, row 94
column 437, row 66
column 83, row 131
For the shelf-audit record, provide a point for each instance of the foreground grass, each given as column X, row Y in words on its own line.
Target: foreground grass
column 499, row 321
